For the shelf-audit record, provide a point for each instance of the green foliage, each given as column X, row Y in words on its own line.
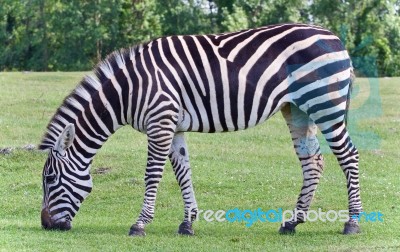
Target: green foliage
column 180, row 18
column 21, row 34
column 370, row 30
column 72, row 35
column 235, row 20
column 253, row 13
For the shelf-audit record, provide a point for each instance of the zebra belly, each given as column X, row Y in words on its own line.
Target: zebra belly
column 189, row 121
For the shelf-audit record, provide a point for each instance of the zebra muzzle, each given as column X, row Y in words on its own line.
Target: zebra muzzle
column 49, row 224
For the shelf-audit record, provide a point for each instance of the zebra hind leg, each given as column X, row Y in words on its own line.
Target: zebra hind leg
column 179, row 157
column 303, row 131
column 346, row 153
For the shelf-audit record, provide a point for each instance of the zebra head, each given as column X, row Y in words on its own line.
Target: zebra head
column 65, row 183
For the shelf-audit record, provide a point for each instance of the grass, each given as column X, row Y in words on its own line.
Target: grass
column 248, row 169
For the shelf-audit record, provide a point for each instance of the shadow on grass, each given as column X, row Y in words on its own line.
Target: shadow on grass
column 222, row 232
column 213, row 231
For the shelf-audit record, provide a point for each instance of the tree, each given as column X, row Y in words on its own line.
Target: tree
column 242, row 14
column 22, row 33
column 68, row 35
column 185, row 17
column 368, row 28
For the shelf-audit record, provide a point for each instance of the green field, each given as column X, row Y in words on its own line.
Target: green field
column 247, row 169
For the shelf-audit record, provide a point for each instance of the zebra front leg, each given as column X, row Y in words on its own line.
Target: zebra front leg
column 158, row 149
column 179, row 157
column 304, row 136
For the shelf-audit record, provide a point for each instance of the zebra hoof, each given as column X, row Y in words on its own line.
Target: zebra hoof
column 288, row 229
column 136, row 231
column 351, row 228
column 185, row 228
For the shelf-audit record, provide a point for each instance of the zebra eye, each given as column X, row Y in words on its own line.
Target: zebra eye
column 50, row 179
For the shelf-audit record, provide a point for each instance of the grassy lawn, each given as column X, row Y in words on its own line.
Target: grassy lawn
column 247, row 169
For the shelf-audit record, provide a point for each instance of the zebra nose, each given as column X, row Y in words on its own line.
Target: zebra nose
column 46, row 220
column 48, row 224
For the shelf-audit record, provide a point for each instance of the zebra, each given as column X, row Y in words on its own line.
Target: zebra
column 204, row 83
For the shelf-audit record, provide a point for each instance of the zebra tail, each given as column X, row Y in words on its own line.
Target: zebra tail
column 352, row 78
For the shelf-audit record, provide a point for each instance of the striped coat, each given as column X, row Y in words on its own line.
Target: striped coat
column 204, row 83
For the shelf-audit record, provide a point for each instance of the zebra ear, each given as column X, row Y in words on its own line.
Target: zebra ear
column 66, row 138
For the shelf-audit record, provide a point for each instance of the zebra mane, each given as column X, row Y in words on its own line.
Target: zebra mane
column 82, row 93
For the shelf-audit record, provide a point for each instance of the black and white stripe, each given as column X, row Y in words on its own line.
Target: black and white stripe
column 204, row 83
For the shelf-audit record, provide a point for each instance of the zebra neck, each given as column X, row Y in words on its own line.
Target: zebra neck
column 96, row 121
column 103, row 102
